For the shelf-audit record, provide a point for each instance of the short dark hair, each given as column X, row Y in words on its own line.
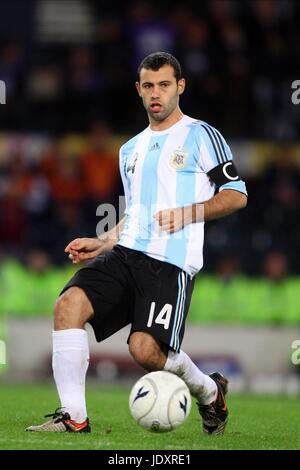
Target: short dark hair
column 156, row 60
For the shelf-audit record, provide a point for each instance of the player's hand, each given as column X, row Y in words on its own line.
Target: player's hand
column 82, row 249
column 172, row 220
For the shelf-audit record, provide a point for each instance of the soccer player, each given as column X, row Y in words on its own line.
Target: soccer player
column 177, row 173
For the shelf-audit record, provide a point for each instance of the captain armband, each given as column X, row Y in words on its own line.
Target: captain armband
column 224, row 173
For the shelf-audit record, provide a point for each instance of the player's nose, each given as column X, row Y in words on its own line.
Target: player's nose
column 155, row 93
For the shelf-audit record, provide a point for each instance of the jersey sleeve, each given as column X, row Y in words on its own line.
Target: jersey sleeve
column 216, row 160
column 122, row 166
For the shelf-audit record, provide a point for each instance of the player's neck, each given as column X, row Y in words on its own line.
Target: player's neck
column 174, row 117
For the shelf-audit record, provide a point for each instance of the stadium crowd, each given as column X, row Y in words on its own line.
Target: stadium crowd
column 47, row 201
column 239, row 59
column 63, row 71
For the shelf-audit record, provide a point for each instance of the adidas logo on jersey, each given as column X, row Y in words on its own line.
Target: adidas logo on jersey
column 154, row 147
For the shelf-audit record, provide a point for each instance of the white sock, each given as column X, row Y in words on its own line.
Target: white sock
column 70, row 362
column 201, row 386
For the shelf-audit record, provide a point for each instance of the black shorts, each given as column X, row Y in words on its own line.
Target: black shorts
column 125, row 286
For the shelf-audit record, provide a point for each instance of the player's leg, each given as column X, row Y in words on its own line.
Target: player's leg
column 160, row 314
column 209, row 390
column 70, row 361
column 152, row 354
column 71, row 350
column 148, row 352
column 98, row 294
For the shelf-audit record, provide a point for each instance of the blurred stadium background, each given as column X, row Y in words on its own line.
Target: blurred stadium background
column 69, row 68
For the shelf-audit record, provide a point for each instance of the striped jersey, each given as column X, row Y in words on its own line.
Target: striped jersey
column 164, row 170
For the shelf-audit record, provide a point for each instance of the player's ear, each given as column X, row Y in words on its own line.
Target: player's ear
column 181, row 86
column 138, row 87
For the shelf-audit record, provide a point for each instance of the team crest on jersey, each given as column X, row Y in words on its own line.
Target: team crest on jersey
column 178, row 158
column 132, row 163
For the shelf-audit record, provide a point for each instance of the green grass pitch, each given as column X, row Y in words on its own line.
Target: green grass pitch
column 256, row 422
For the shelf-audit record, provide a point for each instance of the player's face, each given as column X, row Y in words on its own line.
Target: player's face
column 159, row 91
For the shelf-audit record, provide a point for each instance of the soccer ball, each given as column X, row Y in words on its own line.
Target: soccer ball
column 160, row 401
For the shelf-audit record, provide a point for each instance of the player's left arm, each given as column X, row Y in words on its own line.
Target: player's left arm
column 217, row 162
column 223, row 203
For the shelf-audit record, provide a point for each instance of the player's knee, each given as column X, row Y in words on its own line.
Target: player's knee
column 72, row 309
column 145, row 350
column 145, row 359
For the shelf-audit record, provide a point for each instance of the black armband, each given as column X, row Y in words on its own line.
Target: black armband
column 224, row 173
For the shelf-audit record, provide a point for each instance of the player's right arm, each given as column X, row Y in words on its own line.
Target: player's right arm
column 82, row 249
